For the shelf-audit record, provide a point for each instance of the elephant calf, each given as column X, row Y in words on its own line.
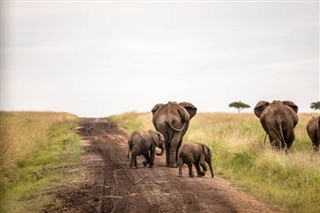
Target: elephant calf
column 313, row 129
column 143, row 142
column 197, row 154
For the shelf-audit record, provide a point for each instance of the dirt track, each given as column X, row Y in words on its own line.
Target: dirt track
column 111, row 186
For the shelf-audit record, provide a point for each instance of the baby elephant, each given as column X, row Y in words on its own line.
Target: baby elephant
column 142, row 142
column 197, row 154
column 313, row 129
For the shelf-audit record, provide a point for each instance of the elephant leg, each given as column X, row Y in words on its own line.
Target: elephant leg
column 177, row 152
column 152, row 157
column 190, row 170
column 133, row 162
column 289, row 138
column 197, row 165
column 147, row 161
column 167, row 146
column 173, row 154
column 315, row 142
column 276, row 144
column 274, row 139
column 204, row 167
column 180, row 165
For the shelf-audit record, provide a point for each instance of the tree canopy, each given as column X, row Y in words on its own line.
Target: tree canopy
column 315, row 105
column 239, row 105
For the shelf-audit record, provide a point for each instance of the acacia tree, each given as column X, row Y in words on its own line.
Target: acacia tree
column 315, row 105
column 239, row 105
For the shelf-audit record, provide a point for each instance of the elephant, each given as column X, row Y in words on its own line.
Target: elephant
column 142, row 142
column 172, row 120
column 197, row 154
column 313, row 129
column 278, row 119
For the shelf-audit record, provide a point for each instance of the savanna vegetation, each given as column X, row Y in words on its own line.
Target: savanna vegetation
column 35, row 149
column 289, row 182
column 315, row 105
column 239, row 105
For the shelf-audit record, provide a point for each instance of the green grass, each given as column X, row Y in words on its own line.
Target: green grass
column 39, row 150
column 289, row 182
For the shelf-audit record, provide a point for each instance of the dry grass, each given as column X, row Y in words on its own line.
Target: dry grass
column 32, row 146
column 21, row 132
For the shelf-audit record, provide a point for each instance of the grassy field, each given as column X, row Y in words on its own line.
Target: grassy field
column 35, row 149
column 289, row 182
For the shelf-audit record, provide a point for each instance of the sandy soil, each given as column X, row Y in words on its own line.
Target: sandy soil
column 109, row 185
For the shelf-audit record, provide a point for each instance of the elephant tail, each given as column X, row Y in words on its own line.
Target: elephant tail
column 175, row 128
column 280, row 133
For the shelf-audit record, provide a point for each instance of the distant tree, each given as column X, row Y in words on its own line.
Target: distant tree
column 315, row 105
column 239, row 105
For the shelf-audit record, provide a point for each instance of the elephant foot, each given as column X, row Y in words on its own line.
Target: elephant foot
column 180, row 175
column 173, row 165
column 152, row 166
column 201, row 174
column 132, row 167
column 191, row 175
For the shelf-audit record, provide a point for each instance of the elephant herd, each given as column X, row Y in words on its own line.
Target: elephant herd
column 171, row 122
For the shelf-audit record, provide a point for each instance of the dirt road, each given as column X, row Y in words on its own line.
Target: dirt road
column 109, row 185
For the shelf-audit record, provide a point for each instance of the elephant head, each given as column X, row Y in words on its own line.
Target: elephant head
column 158, row 140
column 278, row 119
column 172, row 121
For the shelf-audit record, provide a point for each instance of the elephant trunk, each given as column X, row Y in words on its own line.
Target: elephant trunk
column 161, row 152
column 212, row 174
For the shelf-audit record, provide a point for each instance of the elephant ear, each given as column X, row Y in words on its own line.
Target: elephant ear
column 260, row 106
column 206, row 151
column 192, row 110
column 291, row 105
column 157, row 137
column 156, row 107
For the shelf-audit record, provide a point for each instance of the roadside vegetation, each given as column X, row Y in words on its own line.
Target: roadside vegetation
column 35, row 150
column 289, row 182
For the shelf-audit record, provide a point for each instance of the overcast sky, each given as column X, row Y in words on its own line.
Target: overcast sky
column 104, row 58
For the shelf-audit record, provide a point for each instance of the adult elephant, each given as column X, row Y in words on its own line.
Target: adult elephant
column 278, row 119
column 172, row 121
column 313, row 129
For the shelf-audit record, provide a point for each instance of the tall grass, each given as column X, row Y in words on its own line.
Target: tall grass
column 290, row 182
column 33, row 146
column 21, row 132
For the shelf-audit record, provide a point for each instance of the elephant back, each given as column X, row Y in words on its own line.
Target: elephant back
column 283, row 110
column 170, row 113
